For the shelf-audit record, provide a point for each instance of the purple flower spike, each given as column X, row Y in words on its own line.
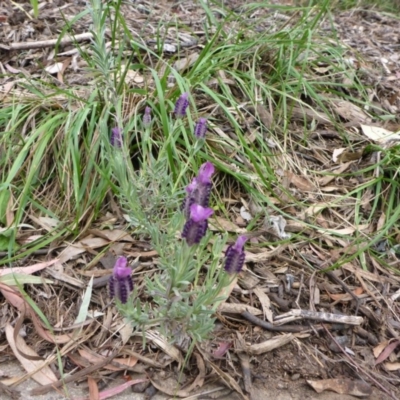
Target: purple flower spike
column 234, row 256
column 205, row 172
column 195, row 228
column 201, row 128
column 116, row 137
column 181, row 105
column 199, row 190
column 147, row 117
column 120, row 283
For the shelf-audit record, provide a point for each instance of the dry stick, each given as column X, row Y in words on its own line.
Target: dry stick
column 51, row 42
column 72, row 378
column 357, row 366
column 266, row 325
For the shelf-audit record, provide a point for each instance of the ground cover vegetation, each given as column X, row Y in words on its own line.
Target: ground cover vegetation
column 178, row 182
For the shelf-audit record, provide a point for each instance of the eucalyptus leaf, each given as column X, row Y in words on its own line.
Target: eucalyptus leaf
column 11, row 279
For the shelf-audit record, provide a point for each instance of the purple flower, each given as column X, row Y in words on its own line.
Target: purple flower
column 195, row 228
column 205, row 172
column 201, row 128
column 199, row 190
column 181, row 105
column 120, row 283
column 116, row 137
column 147, row 117
column 234, row 256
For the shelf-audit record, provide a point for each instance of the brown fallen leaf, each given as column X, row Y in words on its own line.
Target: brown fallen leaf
column 88, row 243
column 392, row 366
column 345, row 296
column 113, row 235
column 114, row 390
column 356, row 388
column 300, row 182
column 93, row 389
column 27, row 270
column 265, row 304
column 388, row 350
column 220, row 224
column 40, row 372
column 379, row 348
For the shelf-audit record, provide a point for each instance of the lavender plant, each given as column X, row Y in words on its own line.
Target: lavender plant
column 191, row 279
column 182, row 297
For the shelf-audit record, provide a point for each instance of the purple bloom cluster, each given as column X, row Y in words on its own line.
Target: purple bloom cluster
column 116, row 137
column 195, row 206
column 196, row 226
column 201, row 128
column 234, row 256
column 199, row 190
column 120, row 284
column 181, row 105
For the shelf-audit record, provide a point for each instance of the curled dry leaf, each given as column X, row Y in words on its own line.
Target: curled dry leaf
column 221, row 350
column 342, row 386
column 40, row 372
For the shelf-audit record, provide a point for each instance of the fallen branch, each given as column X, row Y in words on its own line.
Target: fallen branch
column 295, row 315
column 269, row 327
column 51, row 42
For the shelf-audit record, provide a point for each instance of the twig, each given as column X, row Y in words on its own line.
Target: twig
column 359, row 367
column 268, row 326
column 51, row 42
column 245, row 364
column 294, row 315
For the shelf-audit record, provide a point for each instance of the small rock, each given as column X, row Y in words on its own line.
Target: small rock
column 295, row 377
column 282, row 386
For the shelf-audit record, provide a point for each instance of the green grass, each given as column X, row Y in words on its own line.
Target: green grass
column 391, row 6
column 55, row 160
